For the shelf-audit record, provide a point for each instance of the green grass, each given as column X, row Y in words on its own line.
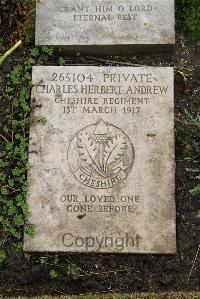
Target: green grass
column 192, row 19
column 189, row 19
column 188, row 134
column 14, row 155
column 14, row 141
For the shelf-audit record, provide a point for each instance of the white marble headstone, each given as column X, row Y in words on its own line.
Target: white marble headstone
column 102, row 175
column 114, row 26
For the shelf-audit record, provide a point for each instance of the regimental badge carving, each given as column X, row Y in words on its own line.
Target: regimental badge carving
column 101, row 155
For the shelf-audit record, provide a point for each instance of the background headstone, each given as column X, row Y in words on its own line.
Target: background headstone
column 102, row 156
column 108, row 26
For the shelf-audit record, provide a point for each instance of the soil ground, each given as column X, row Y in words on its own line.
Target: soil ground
column 124, row 273
column 191, row 295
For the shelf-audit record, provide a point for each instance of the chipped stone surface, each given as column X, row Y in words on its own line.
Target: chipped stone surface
column 117, row 24
column 102, row 176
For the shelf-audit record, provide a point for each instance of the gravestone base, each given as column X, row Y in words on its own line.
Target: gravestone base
column 115, row 49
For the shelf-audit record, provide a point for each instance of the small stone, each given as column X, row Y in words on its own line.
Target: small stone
column 90, row 283
column 166, row 279
column 36, row 273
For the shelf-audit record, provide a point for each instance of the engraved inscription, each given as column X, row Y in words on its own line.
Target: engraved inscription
column 118, row 93
column 104, row 13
